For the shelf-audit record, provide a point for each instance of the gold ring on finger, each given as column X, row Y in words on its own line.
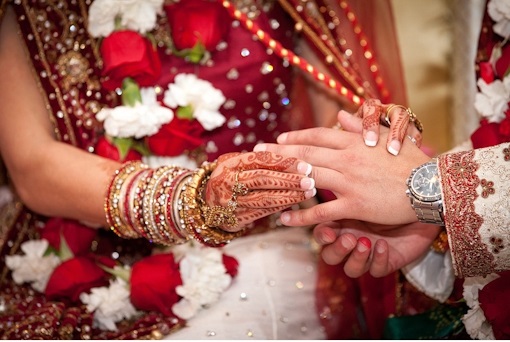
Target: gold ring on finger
column 239, row 188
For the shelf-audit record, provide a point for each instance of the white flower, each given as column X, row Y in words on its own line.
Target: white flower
column 109, row 304
column 492, row 100
column 140, row 15
column 474, row 320
column 499, row 11
column 205, row 100
column 143, row 119
column 204, row 279
column 33, row 267
column 136, row 15
column 182, row 161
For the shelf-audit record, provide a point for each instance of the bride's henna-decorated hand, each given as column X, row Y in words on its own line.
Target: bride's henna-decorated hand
column 373, row 113
column 274, row 183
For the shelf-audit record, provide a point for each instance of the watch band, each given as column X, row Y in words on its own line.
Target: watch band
column 428, row 212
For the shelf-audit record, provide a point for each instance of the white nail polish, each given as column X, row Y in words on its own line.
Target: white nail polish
column 370, row 139
column 394, row 147
column 370, row 143
column 308, row 169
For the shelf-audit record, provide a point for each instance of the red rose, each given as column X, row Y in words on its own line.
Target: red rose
column 153, row 282
column 486, row 72
column 205, row 21
column 78, row 237
column 504, row 129
column 128, row 54
column 175, row 137
column 74, row 276
column 105, row 148
column 486, row 135
column 494, row 300
column 231, row 264
column 503, row 63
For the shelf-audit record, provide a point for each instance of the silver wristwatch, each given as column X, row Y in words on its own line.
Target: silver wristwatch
column 424, row 190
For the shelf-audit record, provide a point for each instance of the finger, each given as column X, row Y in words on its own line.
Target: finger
column 357, row 263
column 336, row 252
column 379, row 266
column 324, row 234
column 272, row 198
column 324, row 212
column 349, row 122
column 318, row 136
column 245, row 216
column 371, row 112
column 265, row 160
column 398, row 116
column 268, row 179
column 414, row 135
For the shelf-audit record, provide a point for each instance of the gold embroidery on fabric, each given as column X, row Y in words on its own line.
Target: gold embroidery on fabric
column 65, row 52
column 459, row 181
column 73, row 69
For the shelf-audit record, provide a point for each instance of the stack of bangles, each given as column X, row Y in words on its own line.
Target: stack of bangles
column 165, row 205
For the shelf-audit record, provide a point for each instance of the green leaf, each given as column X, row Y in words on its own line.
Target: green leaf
column 123, row 145
column 197, row 52
column 130, row 92
column 140, row 147
column 65, row 252
column 185, row 112
column 122, row 273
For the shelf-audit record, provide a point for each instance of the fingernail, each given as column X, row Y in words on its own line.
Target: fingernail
column 282, row 138
column 361, row 247
column 394, row 147
column 363, row 244
column 259, row 148
column 307, row 183
column 327, row 238
column 310, row 193
column 370, row 138
column 379, row 248
column 285, row 217
column 347, row 243
column 304, row 168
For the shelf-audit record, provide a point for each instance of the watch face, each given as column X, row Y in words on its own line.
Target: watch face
column 425, row 183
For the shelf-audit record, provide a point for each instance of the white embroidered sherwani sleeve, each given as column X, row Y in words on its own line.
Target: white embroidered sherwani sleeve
column 476, row 193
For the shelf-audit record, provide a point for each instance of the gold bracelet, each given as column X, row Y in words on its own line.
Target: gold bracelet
column 115, row 197
column 191, row 206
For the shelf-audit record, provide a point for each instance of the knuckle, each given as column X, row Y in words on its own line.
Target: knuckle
column 319, row 214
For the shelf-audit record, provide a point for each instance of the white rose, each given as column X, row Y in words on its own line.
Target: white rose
column 140, row 15
column 492, row 100
column 109, row 304
column 204, row 279
column 188, row 90
column 33, row 267
column 499, row 11
column 102, row 15
column 143, row 119
column 136, row 15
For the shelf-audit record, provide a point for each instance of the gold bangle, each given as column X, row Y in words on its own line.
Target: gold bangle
column 191, row 210
column 115, row 197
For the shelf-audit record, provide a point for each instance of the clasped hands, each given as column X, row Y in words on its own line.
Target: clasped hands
column 370, row 225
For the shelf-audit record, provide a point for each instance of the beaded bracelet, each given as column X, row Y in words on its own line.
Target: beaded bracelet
column 137, row 202
column 114, row 196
